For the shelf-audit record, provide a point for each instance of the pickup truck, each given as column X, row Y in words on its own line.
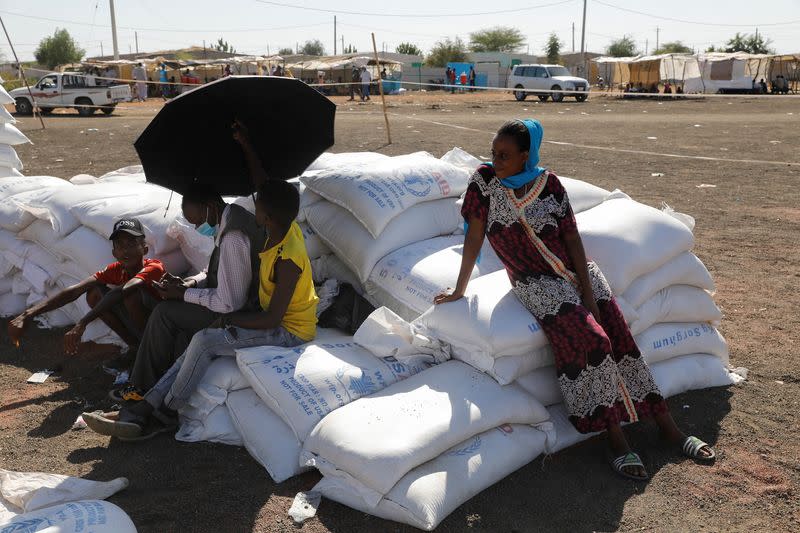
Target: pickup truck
column 70, row 89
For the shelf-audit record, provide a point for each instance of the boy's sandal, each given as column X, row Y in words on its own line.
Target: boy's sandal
column 691, row 448
column 628, row 460
column 100, row 423
column 154, row 427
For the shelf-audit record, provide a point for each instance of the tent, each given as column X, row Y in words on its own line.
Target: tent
column 678, row 69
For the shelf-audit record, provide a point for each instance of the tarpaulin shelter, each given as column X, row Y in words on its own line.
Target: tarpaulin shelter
column 678, row 69
column 732, row 72
column 336, row 67
column 788, row 66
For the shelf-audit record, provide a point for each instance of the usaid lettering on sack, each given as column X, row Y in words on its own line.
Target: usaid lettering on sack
column 378, row 192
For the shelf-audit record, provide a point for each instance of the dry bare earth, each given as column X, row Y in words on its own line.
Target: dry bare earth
column 747, row 234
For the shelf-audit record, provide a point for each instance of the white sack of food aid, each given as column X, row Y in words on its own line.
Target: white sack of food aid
column 132, row 174
column 5, row 116
column 175, row 262
column 315, row 247
column 582, row 195
column 9, row 134
column 377, row 193
column 12, row 304
column 24, row 492
column 345, row 160
column 507, row 368
column 8, row 172
column 542, row 384
column 488, row 322
column 627, row 239
column 90, row 251
column 430, row 492
column 9, row 157
column 665, row 341
column 691, row 372
column 331, row 267
column 6, row 98
column 216, row 426
column 303, row 385
column 195, row 247
column 149, row 207
column 677, row 303
column 360, row 251
column 12, row 216
column 221, row 377
column 40, row 232
column 270, row 441
column 372, row 443
column 55, row 204
column 408, row 279
column 86, row 516
column 462, row 159
column 307, row 198
column 684, row 269
column 20, row 285
column 6, row 282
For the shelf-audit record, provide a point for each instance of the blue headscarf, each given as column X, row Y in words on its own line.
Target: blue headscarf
column 531, row 170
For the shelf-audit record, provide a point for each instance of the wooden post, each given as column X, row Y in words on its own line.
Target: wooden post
column 380, row 87
column 22, row 72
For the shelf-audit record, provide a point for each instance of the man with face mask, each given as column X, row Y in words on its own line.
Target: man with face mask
column 230, row 283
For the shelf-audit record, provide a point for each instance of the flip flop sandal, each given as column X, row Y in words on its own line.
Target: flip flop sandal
column 628, row 460
column 691, row 448
column 103, row 425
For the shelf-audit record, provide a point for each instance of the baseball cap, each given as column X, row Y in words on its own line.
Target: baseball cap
column 131, row 226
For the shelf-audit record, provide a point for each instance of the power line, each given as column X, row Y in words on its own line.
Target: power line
column 404, row 15
column 167, row 30
column 684, row 21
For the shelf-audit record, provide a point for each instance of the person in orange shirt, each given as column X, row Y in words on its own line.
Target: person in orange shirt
column 121, row 295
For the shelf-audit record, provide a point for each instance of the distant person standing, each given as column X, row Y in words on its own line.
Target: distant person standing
column 384, row 75
column 472, row 77
column 462, row 79
column 452, row 81
column 355, row 79
column 140, row 75
column 227, row 72
column 162, row 79
column 763, row 86
column 447, row 76
column 366, row 79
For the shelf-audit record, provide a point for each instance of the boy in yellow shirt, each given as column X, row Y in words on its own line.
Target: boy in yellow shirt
column 287, row 318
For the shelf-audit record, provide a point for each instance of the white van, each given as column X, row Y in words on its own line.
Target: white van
column 546, row 77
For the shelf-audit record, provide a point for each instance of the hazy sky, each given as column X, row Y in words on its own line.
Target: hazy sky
column 253, row 25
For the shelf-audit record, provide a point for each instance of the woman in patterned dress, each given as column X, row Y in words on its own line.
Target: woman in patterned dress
column 524, row 211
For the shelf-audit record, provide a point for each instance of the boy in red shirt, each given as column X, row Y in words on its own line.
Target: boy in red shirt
column 121, row 295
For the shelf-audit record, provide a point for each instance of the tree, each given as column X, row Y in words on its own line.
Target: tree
column 742, row 42
column 223, row 46
column 59, row 49
column 553, row 48
column 496, row 39
column 675, row 47
column 624, row 47
column 349, row 49
column 285, row 51
column 446, row 51
column 408, row 49
column 313, row 48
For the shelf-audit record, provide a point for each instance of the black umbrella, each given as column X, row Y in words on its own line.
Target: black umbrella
column 189, row 140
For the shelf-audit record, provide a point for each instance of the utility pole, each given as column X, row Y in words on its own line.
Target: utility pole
column 334, row 35
column 101, row 49
column 583, row 37
column 646, row 43
column 573, row 37
column 136, row 36
column 114, row 30
column 657, row 30
column 343, row 44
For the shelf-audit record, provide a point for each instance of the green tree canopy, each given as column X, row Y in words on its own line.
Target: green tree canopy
column 675, row 47
column 446, row 51
column 223, row 46
column 553, row 48
column 408, row 48
column 743, row 42
column 496, row 39
column 59, row 49
column 624, row 47
column 349, row 49
column 313, row 47
column 287, row 51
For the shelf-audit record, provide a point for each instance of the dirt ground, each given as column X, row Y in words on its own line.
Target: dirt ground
column 748, row 231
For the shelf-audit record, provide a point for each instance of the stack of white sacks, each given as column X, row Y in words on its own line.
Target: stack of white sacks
column 424, row 407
